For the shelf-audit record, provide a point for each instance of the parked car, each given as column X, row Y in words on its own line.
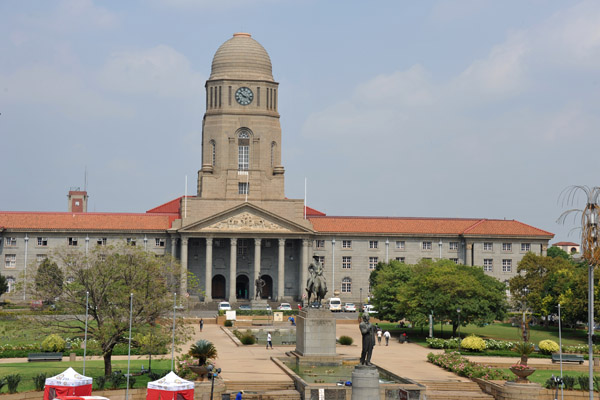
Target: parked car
column 285, row 306
column 368, row 308
column 349, row 307
column 335, row 304
column 246, row 307
column 224, row 306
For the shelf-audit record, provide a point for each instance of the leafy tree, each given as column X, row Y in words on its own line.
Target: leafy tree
column 110, row 274
column 541, row 281
column 387, row 281
column 49, row 280
column 555, row 251
column 440, row 287
column 154, row 341
column 3, row 285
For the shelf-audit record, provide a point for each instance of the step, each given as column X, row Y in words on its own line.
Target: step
column 456, row 395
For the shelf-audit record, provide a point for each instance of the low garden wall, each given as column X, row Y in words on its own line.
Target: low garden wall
column 501, row 391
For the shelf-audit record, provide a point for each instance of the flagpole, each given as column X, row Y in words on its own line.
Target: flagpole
column 173, row 341
column 304, row 197
column 129, row 347
column 87, row 301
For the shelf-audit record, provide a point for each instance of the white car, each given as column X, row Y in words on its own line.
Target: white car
column 368, row 308
column 349, row 307
column 285, row 307
column 224, row 306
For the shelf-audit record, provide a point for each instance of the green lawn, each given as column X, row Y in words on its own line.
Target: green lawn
column 93, row 369
column 19, row 332
column 499, row 331
column 542, row 375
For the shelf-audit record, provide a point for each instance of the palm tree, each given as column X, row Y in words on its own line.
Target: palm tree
column 203, row 350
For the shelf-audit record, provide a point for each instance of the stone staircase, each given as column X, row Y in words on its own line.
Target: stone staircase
column 263, row 390
column 438, row 390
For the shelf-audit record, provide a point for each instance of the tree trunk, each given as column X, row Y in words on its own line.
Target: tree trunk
column 150, row 363
column 454, row 326
column 107, row 363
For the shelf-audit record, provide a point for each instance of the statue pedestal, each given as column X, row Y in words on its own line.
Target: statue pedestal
column 259, row 304
column 365, row 382
column 315, row 333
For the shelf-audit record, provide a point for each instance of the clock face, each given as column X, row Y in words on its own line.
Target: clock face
column 244, row 96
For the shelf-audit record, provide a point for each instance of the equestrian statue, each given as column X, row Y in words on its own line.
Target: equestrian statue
column 316, row 286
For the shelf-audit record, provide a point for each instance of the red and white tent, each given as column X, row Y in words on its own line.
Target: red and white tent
column 170, row 387
column 69, row 383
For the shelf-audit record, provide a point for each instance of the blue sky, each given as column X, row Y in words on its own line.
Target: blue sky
column 468, row 108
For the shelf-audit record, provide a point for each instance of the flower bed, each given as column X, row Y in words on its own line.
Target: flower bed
column 454, row 362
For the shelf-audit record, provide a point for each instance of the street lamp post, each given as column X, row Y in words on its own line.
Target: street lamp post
column 213, row 373
column 361, row 305
column 458, row 311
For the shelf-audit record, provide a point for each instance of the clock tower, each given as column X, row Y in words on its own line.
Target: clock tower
column 241, row 133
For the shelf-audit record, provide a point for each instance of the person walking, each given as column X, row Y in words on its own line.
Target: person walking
column 201, row 324
column 379, row 333
column 269, row 341
column 386, row 335
column 239, row 395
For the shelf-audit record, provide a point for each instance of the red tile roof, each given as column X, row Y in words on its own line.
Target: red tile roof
column 425, row 226
column 565, row 244
column 59, row 221
column 311, row 212
column 172, row 206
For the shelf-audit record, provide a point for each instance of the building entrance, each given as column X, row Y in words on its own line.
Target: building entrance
column 242, row 285
column 218, row 287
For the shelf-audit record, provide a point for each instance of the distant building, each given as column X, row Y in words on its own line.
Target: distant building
column 240, row 226
column 569, row 247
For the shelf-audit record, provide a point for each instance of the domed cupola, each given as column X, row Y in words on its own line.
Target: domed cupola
column 243, row 58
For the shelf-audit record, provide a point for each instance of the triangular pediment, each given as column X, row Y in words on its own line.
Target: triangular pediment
column 246, row 218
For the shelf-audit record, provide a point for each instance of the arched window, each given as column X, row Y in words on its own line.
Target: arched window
column 243, row 150
column 10, row 281
column 346, row 285
column 273, row 150
column 213, row 149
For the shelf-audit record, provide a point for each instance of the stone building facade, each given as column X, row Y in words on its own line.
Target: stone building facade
column 240, row 226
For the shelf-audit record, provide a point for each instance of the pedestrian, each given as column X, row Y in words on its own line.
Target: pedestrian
column 239, row 395
column 379, row 333
column 386, row 335
column 269, row 341
column 201, row 324
column 404, row 337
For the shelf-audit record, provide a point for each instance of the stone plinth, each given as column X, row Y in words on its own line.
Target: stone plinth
column 365, row 382
column 259, row 304
column 315, row 333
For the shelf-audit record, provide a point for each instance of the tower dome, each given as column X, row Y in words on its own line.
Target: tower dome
column 241, row 57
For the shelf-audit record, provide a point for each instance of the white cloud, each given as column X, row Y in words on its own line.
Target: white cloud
column 160, row 71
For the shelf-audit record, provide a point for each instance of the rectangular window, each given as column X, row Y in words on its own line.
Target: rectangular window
column 72, row 241
column 488, row 264
column 426, row 246
column 319, row 244
column 159, row 242
column 346, row 262
column 400, row 244
column 131, row 241
column 242, row 247
column 40, row 258
column 346, row 285
column 401, row 259
column 322, row 260
column 10, row 241
column 453, row 245
column 373, row 262
column 455, row 260
column 243, row 158
column 346, row 244
column 506, row 265
column 373, row 244
column 101, row 242
column 488, row 246
column 243, row 188
column 506, row 246
column 10, row 261
column 525, row 247
column 42, row 241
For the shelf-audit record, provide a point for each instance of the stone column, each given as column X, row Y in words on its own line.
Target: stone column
column 544, row 250
column 280, row 269
column 232, row 269
column 208, row 271
column 256, row 274
column 303, row 267
column 173, row 249
column 184, row 265
column 469, row 255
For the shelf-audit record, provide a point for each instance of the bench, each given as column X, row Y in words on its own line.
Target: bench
column 567, row 358
column 44, row 357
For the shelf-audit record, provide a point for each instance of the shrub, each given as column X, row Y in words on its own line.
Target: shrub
column 228, row 322
column 131, row 382
column 116, row 379
column 54, row 343
column 39, row 381
column 203, row 350
column 548, row 346
column 462, row 366
column 436, row 343
column 100, row 382
column 2, row 383
column 584, row 382
column 492, row 344
column 346, row 340
column 12, row 381
column 473, row 343
column 569, row 382
column 247, row 339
